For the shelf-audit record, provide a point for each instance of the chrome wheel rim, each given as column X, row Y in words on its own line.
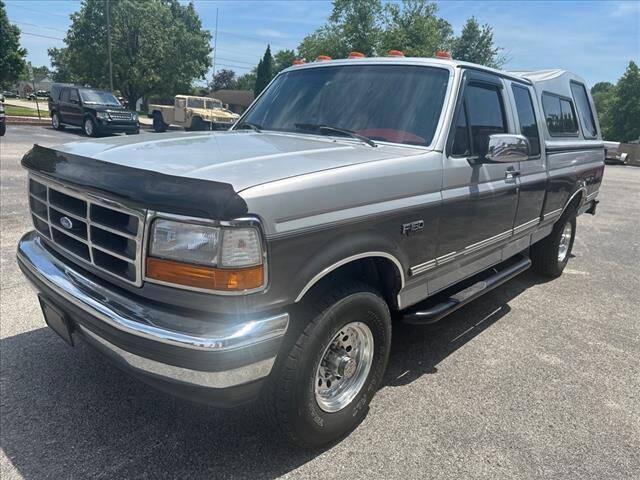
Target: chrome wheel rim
column 344, row 367
column 88, row 127
column 565, row 240
column 54, row 121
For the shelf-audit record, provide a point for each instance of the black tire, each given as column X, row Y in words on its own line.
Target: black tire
column 545, row 253
column 89, row 126
column 158, row 123
column 135, row 132
column 55, row 121
column 199, row 125
column 290, row 398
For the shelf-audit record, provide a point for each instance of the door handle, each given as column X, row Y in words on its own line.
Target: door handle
column 511, row 173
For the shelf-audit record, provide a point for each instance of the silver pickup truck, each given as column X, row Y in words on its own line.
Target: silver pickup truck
column 270, row 261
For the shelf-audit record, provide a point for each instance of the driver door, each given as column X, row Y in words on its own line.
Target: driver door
column 180, row 110
column 479, row 199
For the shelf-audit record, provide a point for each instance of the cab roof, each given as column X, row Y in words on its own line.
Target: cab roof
column 426, row 61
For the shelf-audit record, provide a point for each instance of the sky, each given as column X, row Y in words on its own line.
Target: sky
column 594, row 39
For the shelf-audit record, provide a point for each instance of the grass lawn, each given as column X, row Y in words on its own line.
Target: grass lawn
column 25, row 112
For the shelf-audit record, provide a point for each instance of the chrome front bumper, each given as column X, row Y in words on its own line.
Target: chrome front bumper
column 248, row 345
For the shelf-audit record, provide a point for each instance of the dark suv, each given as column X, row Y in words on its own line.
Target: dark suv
column 96, row 111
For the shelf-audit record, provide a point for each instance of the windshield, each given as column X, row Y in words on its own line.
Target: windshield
column 212, row 104
column 393, row 103
column 99, row 98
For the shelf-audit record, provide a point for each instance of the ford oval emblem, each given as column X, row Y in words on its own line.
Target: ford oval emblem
column 66, row 223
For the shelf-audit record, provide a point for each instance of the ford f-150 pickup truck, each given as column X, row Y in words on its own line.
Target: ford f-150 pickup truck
column 267, row 262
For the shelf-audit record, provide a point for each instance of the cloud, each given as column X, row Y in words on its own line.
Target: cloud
column 268, row 32
column 623, row 9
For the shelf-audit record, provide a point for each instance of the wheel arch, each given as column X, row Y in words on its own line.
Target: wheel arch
column 378, row 264
column 576, row 199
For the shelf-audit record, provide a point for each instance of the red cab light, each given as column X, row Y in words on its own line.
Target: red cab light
column 443, row 54
column 298, row 61
column 395, row 53
column 356, row 55
column 323, row 58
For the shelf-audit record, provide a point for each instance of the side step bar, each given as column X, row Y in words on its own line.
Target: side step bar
column 434, row 312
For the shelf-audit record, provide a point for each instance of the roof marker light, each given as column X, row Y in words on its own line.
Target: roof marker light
column 443, row 54
column 395, row 53
column 323, row 58
column 356, row 55
column 298, row 61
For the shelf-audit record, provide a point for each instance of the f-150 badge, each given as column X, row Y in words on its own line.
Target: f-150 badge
column 412, row 227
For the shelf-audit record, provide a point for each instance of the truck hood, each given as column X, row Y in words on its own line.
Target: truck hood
column 241, row 159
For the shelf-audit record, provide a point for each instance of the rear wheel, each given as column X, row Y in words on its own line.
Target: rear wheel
column 321, row 390
column 158, row 123
column 55, row 121
column 550, row 255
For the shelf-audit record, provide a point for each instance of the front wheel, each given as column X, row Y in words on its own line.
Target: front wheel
column 321, row 391
column 89, row 127
column 550, row 255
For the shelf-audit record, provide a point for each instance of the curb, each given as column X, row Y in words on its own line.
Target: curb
column 27, row 120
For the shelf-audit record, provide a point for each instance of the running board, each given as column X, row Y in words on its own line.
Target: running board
column 434, row 312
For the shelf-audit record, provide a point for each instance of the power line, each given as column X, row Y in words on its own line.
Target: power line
column 47, row 13
column 42, row 26
column 43, row 36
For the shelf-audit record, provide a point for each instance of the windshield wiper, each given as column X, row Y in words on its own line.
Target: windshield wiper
column 253, row 126
column 329, row 128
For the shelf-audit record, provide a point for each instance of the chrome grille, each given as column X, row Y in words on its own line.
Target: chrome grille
column 95, row 231
column 120, row 115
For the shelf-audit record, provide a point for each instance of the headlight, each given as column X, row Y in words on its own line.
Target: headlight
column 102, row 115
column 205, row 257
column 134, row 117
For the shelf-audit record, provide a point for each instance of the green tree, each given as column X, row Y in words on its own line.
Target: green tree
column 414, row 28
column 354, row 25
column 283, row 59
column 475, row 44
column 158, row 47
column 625, row 107
column 264, row 73
column 223, row 79
column 603, row 95
column 61, row 65
column 247, row 81
column 12, row 63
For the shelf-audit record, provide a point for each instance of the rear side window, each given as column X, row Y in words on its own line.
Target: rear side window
column 559, row 114
column 73, row 95
column 483, row 115
column 584, row 110
column 527, row 118
column 64, row 95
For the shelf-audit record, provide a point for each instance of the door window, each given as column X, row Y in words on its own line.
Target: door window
column 483, row 115
column 584, row 110
column 64, row 96
column 527, row 118
column 181, row 102
column 73, row 96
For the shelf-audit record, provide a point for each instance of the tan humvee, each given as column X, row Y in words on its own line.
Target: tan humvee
column 192, row 113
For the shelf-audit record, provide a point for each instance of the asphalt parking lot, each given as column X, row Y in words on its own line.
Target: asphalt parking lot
column 537, row 379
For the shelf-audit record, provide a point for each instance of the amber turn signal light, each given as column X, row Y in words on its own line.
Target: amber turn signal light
column 208, row 278
column 443, row 54
column 395, row 53
column 356, row 55
column 323, row 58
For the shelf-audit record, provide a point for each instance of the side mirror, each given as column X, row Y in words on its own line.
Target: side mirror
column 507, row 148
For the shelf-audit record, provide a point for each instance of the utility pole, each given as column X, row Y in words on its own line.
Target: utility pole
column 215, row 46
column 109, row 47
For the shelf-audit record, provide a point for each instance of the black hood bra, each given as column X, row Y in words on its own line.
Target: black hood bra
column 137, row 187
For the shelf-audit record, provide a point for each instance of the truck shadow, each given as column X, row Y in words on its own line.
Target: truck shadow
column 67, row 413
